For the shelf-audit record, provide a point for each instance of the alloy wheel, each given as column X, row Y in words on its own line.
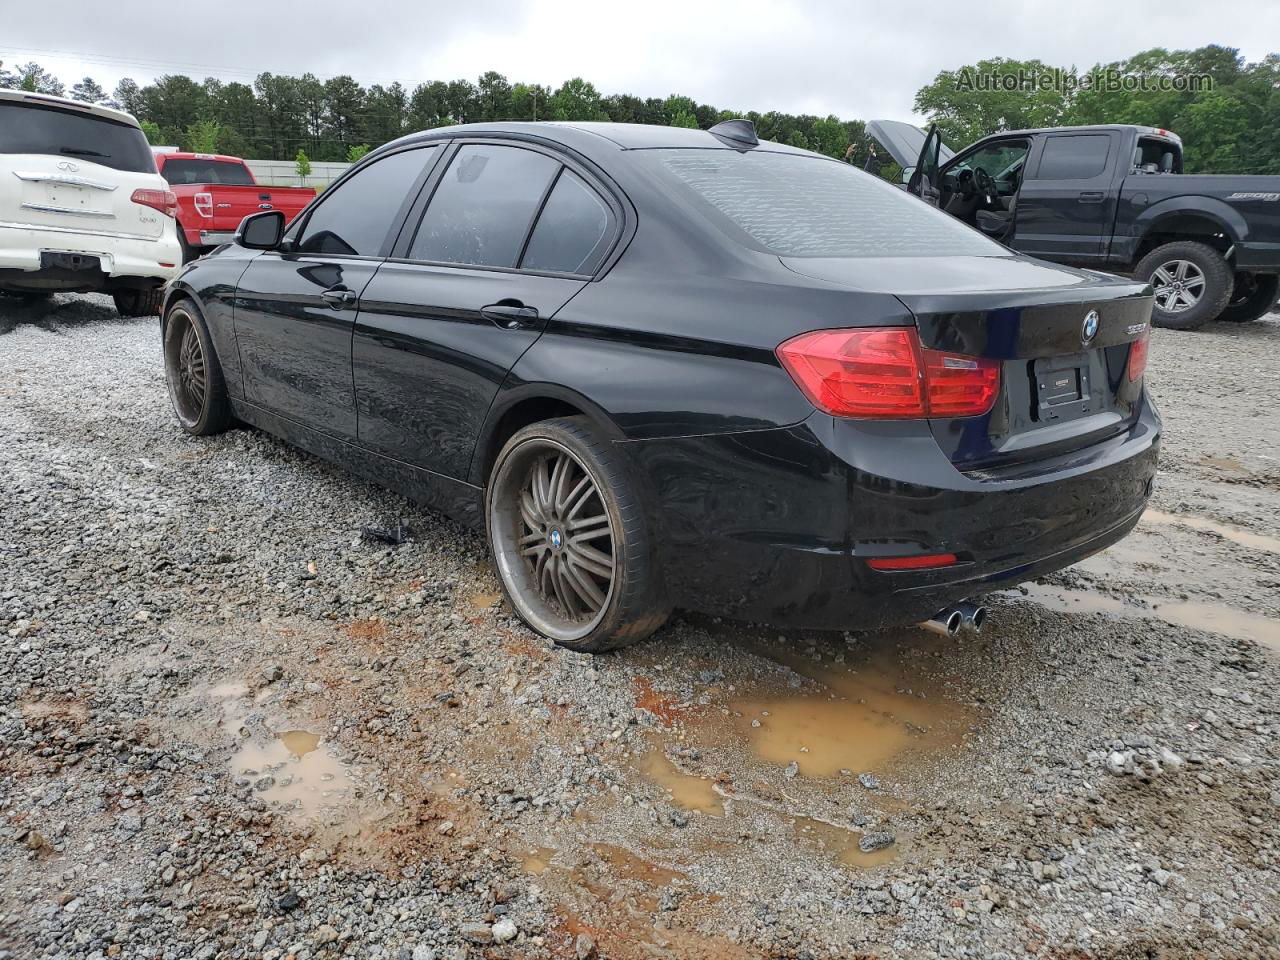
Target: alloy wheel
column 1178, row 285
column 554, row 539
column 188, row 378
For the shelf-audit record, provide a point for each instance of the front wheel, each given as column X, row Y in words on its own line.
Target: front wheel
column 570, row 539
column 1254, row 295
column 1191, row 281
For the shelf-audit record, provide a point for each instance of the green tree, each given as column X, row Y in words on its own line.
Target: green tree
column 493, row 97
column 36, row 79
column 88, row 91
column 203, row 136
column 302, row 165
column 576, row 99
column 356, row 153
column 129, row 95
column 684, row 119
column 151, row 131
column 964, row 108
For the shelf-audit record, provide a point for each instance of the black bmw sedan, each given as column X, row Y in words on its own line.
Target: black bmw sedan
column 668, row 368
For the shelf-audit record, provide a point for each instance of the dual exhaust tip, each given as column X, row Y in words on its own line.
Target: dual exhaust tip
column 969, row 617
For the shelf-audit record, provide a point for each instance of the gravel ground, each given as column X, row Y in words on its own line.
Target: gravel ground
column 231, row 727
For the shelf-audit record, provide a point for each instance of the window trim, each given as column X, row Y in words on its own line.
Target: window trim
column 622, row 227
column 299, row 225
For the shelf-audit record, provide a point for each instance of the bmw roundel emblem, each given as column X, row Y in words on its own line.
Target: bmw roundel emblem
column 556, row 539
column 1090, row 328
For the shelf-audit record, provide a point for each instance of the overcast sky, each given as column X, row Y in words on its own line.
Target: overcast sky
column 821, row 56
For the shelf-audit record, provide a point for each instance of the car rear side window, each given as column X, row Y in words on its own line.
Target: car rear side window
column 572, row 230
column 184, row 170
column 799, row 205
column 1074, row 157
column 355, row 217
column 33, row 128
column 484, row 205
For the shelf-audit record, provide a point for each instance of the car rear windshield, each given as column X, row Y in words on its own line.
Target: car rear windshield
column 797, row 205
column 180, row 170
column 34, row 128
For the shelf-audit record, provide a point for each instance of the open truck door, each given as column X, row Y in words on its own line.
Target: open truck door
column 919, row 154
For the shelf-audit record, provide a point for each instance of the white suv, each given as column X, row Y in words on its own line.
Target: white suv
column 81, row 204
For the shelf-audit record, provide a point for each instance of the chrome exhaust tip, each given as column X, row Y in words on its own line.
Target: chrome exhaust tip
column 973, row 616
column 945, row 622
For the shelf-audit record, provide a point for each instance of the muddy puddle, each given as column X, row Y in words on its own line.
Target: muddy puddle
column 685, row 790
column 292, row 769
column 866, row 711
column 1210, row 617
column 1246, row 538
column 839, row 844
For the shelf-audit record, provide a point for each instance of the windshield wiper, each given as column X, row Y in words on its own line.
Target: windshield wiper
column 82, row 152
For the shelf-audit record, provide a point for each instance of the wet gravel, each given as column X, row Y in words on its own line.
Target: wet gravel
column 231, row 726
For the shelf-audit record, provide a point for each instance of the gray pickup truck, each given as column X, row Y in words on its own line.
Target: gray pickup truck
column 1111, row 197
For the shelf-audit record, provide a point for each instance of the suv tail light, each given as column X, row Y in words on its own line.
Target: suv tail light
column 1138, row 355
column 884, row 372
column 204, row 204
column 162, row 200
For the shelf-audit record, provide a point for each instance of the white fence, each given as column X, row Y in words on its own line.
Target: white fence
column 282, row 173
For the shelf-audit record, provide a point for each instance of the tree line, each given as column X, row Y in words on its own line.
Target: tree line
column 1229, row 125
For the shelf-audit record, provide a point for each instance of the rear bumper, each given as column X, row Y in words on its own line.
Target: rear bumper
column 777, row 525
column 123, row 260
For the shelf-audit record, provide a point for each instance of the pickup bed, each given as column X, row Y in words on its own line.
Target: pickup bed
column 215, row 193
column 1112, row 197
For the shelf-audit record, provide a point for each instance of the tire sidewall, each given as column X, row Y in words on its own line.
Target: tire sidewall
column 1258, row 304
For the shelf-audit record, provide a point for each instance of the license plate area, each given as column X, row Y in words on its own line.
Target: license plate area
column 1062, row 388
column 73, row 262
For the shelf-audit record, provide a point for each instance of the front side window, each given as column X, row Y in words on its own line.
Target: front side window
column 482, row 210
column 798, row 205
column 33, row 128
column 356, row 216
column 572, row 230
column 1074, row 158
column 1000, row 160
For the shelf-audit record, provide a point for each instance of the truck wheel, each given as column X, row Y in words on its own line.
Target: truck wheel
column 139, row 303
column 189, row 252
column 1253, row 295
column 1192, row 283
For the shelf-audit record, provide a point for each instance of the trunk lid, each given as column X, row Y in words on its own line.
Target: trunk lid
column 1062, row 337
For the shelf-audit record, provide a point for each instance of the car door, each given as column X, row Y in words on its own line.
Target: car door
column 295, row 307
column 1066, row 207
column 509, row 233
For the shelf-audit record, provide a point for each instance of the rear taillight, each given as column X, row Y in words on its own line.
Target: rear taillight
column 919, row 561
column 1138, row 356
column 884, row 372
column 204, row 204
column 162, row 200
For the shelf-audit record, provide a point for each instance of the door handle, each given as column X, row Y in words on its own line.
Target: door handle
column 1091, row 196
column 338, row 297
column 511, row 314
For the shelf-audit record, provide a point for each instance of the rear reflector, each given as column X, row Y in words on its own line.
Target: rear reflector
column 1138, row 356
column 924, row 561
column 884, row 372
column 162, row 200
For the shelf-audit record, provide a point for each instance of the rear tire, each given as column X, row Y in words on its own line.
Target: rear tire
column 139, row 303
column 570, row 539
column 1192, row 283
column 191, row 369
column 1254, row 294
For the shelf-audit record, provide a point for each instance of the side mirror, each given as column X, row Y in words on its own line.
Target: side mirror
column 906, row 174
column 261, row 231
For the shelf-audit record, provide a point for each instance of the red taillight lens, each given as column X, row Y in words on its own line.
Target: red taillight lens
column 923, row 561
column 204, row 204
column 162, row 200
column 883, row 372
column 1138, row 356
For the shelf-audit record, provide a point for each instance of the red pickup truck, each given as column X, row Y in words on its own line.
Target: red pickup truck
column 215, row 193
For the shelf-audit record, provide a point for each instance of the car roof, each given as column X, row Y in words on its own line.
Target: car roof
column 585, row 135
column 1085, row 128
column 74, row 106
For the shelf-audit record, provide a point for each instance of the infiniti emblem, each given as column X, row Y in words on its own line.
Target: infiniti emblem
column 1090, row 328
column 68, row 166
